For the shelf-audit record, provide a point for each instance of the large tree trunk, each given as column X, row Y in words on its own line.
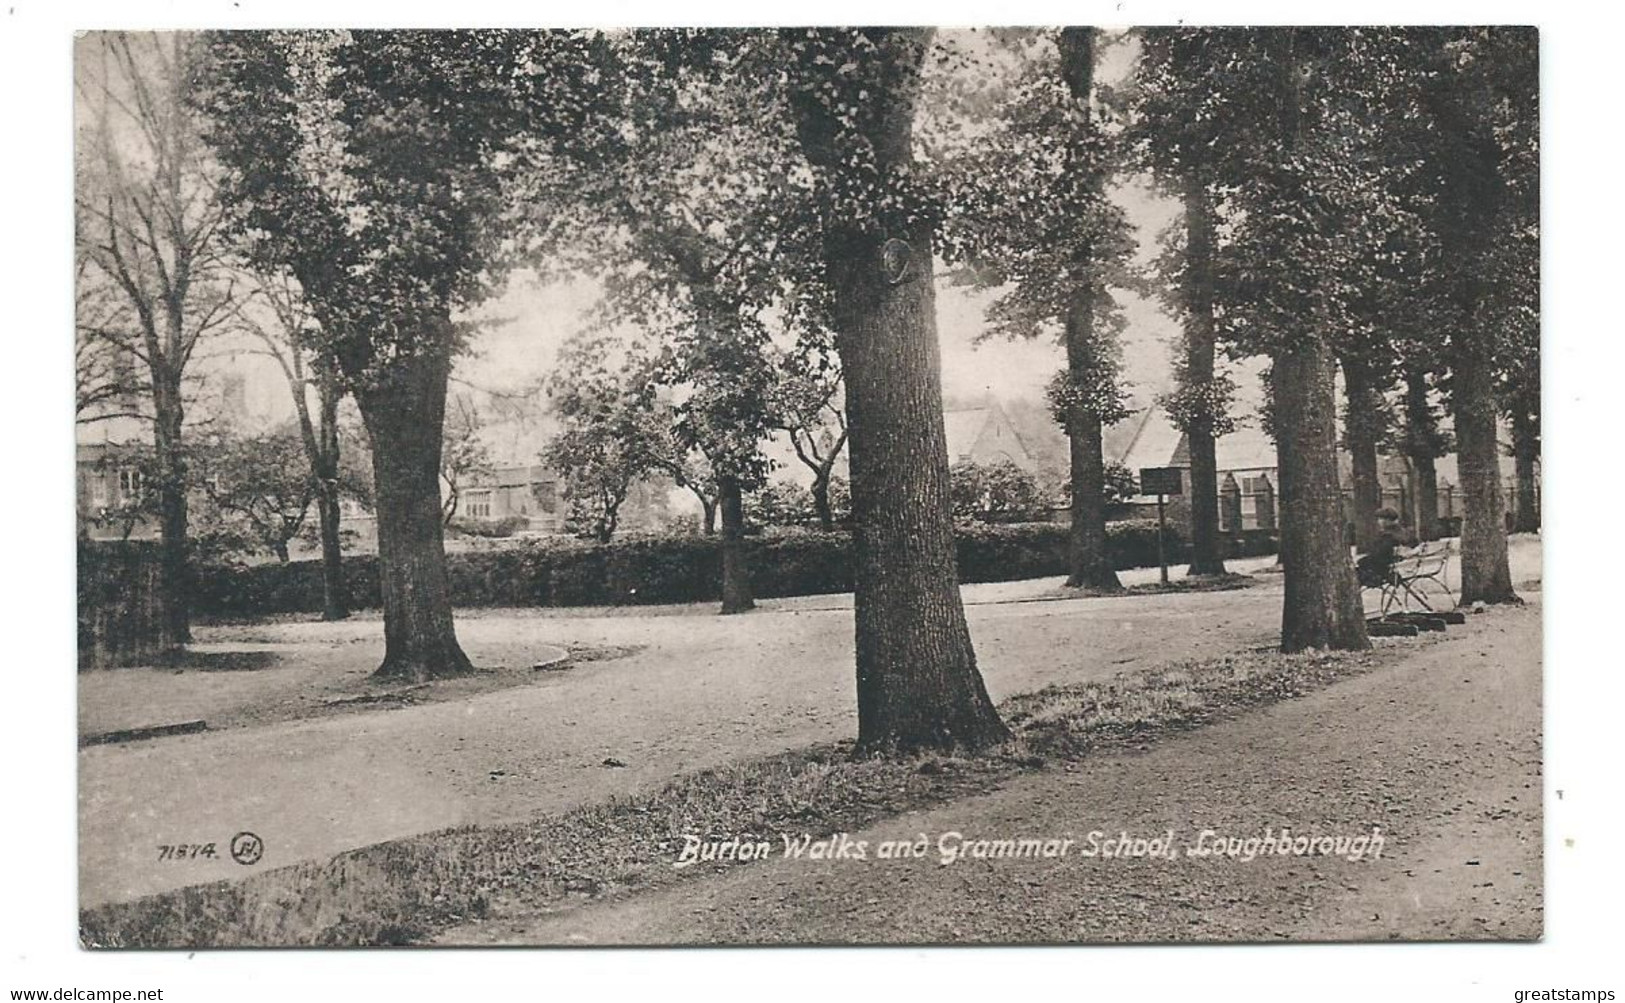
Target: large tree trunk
column 736, row 590
column 1471, row 200
column 918, row 685
column 1525, row 454
column 175, row 593
column 1200, row 349
column 1322, row 605
column 1421, row 434
column 1321, row 608
column 1361, row 430
column 1091, row 566
column 404, row 411
column 1486, row 575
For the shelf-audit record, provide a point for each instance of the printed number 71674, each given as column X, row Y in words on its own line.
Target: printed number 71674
column 186, row 851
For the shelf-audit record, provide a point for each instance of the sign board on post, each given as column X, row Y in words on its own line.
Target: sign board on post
column 1161, row 481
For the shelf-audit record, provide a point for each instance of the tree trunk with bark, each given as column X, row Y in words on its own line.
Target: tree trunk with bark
column 1200, row 351
column 1486, row 575
column 1091, row 566
column 322, row 443
column 736, row 589
column 1525, row 454
column 820, row 497
column 1421, row 434
column 175, row 592
column 917, row 681
column 404, row 410
column 1321, row 608
column 1361, row 430
column 1470, row 202
column 1322, row 605
column 335, row 596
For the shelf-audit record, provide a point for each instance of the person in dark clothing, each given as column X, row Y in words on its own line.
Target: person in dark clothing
column 1374, row 568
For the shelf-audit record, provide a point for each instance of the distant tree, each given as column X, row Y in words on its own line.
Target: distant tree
column 149, row 222
column 685, row 465
column 780, row 503
column 710, row 217
column 611, row 433
column 1520, row 397
column 599, row 474
column 262, row 479
column 1037, row 223
column 1477, row 93
column 1184, row 129
column 1120, row 483
column 995, row 492
column 1423, row 441
column 1367, row 423
column 464, row 455
column 285, row 329
column 810, row 411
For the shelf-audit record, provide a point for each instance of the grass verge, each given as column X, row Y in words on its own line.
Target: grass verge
column 406, row 891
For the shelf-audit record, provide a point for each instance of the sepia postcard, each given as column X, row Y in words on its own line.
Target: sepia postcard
column 808, row 486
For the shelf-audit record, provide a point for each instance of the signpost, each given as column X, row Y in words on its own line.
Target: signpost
column 1162, row 482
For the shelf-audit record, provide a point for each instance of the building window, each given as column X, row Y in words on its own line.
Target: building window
column 129, row 485
column 479, row 505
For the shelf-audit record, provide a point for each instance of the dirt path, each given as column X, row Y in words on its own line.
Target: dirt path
column 697, row 690
column 701, row 690
column 1441, row 752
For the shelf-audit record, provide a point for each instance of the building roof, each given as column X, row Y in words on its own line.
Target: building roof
column 1155, row 442
column 1247, row 448
column 964, row 426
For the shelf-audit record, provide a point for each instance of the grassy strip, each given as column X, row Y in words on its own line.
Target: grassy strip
column 406, row 890
column 1202, row 583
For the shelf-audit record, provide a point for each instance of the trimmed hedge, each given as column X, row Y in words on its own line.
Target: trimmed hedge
column 561, row 571
column 120, row 615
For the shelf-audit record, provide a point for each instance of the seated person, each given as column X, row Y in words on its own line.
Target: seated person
column 1373, row 568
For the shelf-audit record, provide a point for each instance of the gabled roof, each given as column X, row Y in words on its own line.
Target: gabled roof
column 964, row 426
column 1155, row 443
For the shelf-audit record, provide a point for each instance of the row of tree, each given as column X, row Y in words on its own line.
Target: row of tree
column 770, row 207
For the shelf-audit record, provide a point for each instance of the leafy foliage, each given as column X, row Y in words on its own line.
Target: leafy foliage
column 612, row 435
column 263, row 479
column 995, row 492
column 377, row 167
column 1032, row 217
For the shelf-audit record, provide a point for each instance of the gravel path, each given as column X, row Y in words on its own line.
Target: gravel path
column 1440, row 751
